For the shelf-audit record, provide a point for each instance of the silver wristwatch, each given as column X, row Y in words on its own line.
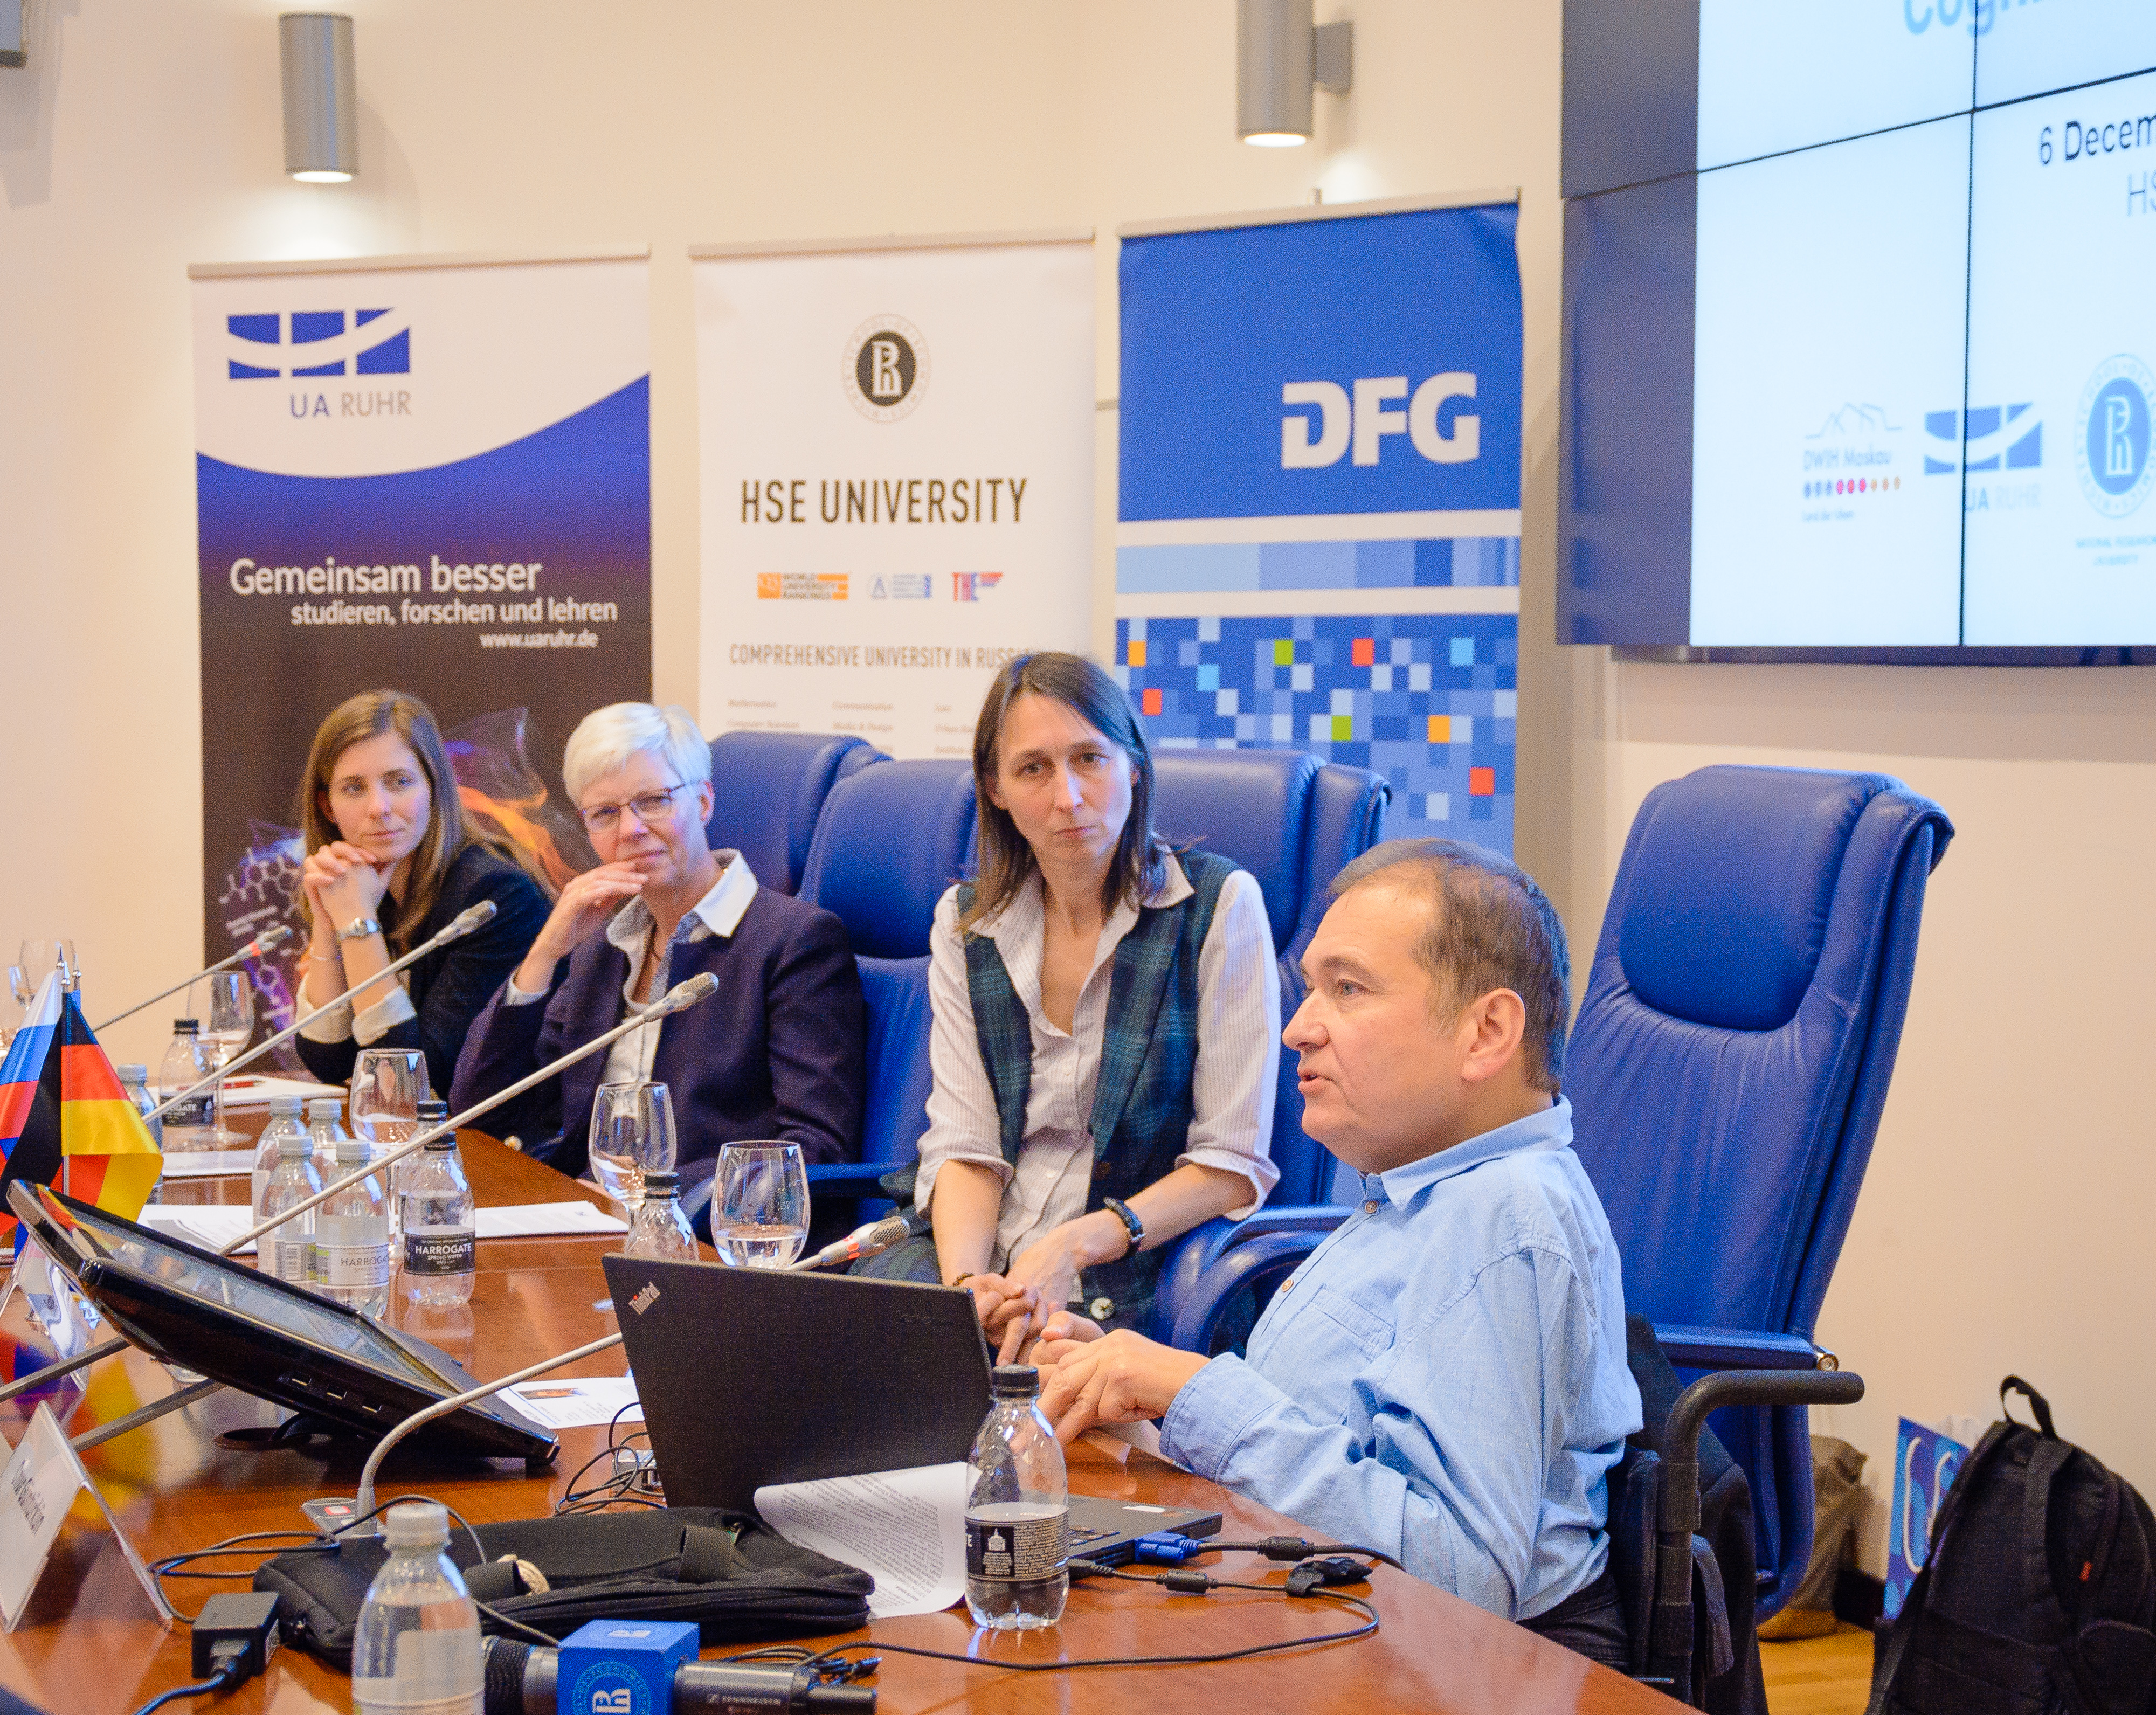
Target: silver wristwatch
column 358, row 927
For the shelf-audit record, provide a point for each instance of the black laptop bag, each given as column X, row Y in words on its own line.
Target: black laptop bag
column 737, row 1578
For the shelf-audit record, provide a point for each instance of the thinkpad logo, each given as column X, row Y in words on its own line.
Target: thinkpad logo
column 646, row 1297
column 885, row 368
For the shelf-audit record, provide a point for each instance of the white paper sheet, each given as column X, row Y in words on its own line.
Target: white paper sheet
column 905, row 1528
column 579, row 1401
column 213, row 1225
column 208, row 1163
column 254, row 1089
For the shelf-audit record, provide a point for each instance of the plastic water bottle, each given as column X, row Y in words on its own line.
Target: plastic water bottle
column 187, row 1127
column 352, row 1236
column 657, row 1228
column 135, row 1085
column 284, row 1121
column 440, row 1257
column 416, row 1651
column 327, row 1127
column 1017, row 1519
column 289, row 1249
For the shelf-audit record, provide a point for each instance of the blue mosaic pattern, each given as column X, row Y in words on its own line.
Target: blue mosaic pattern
column 1430, row 700
column 1469, row 562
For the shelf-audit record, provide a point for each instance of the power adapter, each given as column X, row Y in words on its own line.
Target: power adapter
column 235, row 1637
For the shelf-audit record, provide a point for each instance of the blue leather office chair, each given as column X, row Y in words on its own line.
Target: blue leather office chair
column 1727, row 1070
column 768, row 790
column 1293, row 823
column 1726, row 1073
column 889, row 840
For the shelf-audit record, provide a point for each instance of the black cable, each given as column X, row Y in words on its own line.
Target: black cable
column 215, row 1683
column 545, row 1640
column 1286, row 1548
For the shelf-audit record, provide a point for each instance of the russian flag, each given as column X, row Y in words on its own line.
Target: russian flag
column 63, row 1117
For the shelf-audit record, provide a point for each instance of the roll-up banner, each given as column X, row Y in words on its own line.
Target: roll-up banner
column 1318, row 537
column 429, row 475
column 898, row 478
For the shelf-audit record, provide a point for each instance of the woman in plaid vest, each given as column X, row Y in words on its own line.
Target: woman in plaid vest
column 1106, row 1024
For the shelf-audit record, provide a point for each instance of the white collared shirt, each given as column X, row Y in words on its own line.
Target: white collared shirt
column 718, row 913
column 1232, row 1087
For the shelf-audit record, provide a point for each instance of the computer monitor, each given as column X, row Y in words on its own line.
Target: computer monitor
column 264, row 1336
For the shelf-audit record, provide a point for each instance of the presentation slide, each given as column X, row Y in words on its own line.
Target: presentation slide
column 2033, row 47
column 1773, row 78
column 1828, row 325
column 2061, row 539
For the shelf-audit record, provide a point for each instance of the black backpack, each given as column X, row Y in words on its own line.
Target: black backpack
column 2038, row 1592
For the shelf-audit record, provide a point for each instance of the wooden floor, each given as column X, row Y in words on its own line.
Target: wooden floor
column 1825, row 1675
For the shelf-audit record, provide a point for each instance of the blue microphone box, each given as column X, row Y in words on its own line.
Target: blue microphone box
column 621, row 1667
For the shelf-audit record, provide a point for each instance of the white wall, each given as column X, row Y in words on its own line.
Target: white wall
column 2002, row 1226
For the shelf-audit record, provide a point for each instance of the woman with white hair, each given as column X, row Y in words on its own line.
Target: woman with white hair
column 777, row 1052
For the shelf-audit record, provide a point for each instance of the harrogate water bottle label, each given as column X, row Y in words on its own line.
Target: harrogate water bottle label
column 440, row 1250
column 353, row 1264
column 1016, row 1550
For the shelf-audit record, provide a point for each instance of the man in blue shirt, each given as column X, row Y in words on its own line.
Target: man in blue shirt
column 1445, row 1377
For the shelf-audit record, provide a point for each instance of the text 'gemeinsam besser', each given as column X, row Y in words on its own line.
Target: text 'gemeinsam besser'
column 335, row 577
column 877, row 499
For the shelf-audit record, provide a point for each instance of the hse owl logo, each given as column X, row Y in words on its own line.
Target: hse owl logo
column 2112, row 451
column 885, row 370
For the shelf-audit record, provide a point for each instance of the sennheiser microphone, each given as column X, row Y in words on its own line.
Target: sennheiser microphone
column 872, row 1239
column 274, row 935
column 522, row 1679
column 461, row 924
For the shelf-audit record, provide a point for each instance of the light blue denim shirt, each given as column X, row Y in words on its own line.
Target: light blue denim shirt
column 1444, row 1378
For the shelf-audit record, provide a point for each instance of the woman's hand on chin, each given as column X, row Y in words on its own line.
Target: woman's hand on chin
column 343, row 883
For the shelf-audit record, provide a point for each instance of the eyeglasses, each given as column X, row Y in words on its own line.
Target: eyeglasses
column 654, row 809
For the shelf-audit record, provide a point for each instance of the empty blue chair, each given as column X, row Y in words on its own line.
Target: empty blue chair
column 768, row 790
column 891, row 839
column 1727, row 1070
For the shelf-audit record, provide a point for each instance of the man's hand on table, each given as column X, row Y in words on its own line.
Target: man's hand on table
column 1092, row 1378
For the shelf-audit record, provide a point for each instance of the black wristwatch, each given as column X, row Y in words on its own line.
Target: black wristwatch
column 1128, row 1216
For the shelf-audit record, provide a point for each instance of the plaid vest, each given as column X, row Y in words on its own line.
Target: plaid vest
column 1141, row 1096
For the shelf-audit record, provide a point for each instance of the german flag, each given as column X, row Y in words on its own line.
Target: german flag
column 64, row 1118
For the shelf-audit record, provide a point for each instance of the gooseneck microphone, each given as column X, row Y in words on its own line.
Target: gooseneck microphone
column 523, row 1679
column 872, row 1239
column 276, row 936
column 461, row 924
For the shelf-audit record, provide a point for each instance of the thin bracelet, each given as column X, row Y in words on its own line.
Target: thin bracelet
column 963, row 1278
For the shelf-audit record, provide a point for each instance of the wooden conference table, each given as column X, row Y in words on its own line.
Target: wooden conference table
column 90, row 1644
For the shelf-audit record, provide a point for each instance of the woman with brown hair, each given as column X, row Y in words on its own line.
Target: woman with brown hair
column 1106, row 1027
column 390, row 861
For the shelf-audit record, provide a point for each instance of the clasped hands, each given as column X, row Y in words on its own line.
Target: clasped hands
column 1090, row 1378
column 343, row 882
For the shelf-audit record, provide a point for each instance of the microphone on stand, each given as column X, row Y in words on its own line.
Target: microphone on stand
column 681, row 994
column 873, row 1240
column 461, row 924
column 525, row 1679
column 276, row 936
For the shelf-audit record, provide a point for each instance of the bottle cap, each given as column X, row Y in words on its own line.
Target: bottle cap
column 417, row 1524
column 133, row 1073
column 287, row 1107
column 294, row 1144
column 661, row 1179
column 436, row 1111
column 186, row 1027
column 1017, row 1381
column 325, row 1107
column 351, row 1149
column 442, row 1145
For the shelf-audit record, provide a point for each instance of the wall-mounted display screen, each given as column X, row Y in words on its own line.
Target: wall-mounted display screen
column 1859, row 349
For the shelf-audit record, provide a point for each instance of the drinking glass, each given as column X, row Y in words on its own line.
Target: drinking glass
column 760, row 1205
column 230, row 1027
column 387, row 1086
column 632, row 1134
column 34, row 963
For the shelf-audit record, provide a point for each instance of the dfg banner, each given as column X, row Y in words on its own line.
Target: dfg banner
column 433, row 477
column 1318, row 543
column 898, row 478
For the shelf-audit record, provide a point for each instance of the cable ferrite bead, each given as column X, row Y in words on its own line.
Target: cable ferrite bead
column 1187, row 1581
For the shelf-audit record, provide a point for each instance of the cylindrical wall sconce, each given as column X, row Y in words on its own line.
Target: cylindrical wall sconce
column 1279, row 57
column 321, row 100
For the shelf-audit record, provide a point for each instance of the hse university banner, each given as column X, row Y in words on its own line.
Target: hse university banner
column 897, row 477
column 429, row 476
column 1318, row 537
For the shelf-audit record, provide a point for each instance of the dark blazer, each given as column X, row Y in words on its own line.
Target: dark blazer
column 780, row 1050
column 450, row 985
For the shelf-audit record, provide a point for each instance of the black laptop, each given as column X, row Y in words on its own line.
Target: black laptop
column 755, row 1376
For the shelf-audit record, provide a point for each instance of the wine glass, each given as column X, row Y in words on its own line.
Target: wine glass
column 33, row 962
column 387, row 1086
column 632, row 1134
column 760, row 1205
column 230, row 1028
